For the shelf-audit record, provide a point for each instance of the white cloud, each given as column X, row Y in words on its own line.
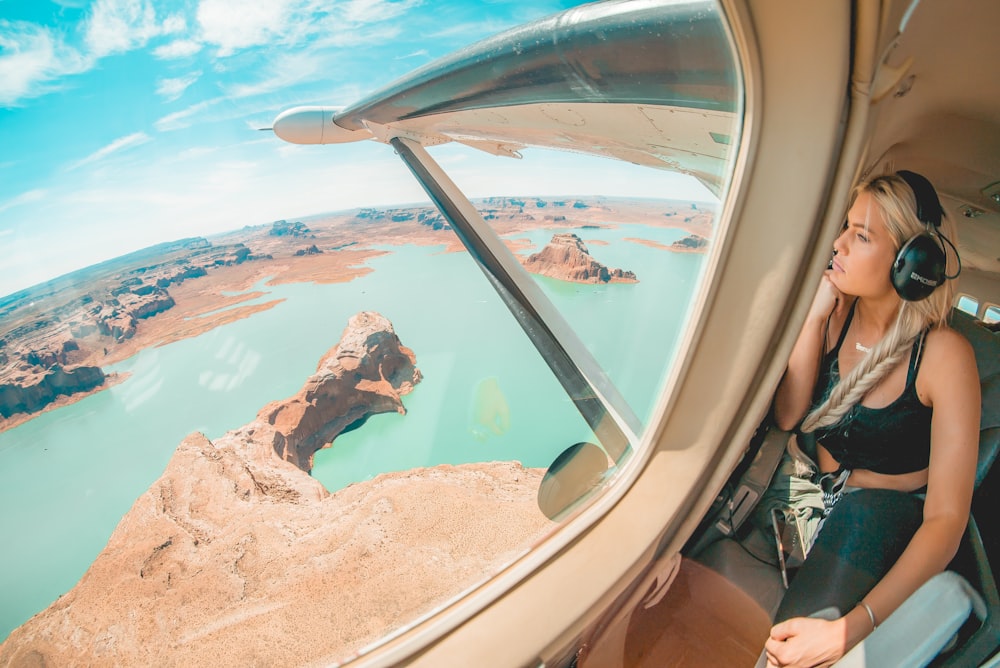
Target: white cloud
column 171, row 89
column 116, row 26
column 371, row 11
column 195, row 153
column 236, row 24
column 120, row 144
column 24, row 198
column 173, row 24
column 339, row 37
column 182, row 119
column 181, row 48
column 32, row 57
column 480, row 28
column 420, row 53
column 283, row 71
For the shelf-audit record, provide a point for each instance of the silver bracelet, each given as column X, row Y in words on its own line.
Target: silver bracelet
column 871, row 615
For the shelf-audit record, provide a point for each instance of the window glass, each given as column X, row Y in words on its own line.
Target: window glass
column 253, row 388
column 991, row 314
column 968, row 304
column 622, row 267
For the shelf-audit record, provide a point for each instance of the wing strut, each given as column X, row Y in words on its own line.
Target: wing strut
column 594, row 395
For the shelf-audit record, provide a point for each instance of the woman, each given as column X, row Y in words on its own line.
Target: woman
column 892, row 396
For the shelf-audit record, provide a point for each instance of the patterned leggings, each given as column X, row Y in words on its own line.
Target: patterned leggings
column 865, row 534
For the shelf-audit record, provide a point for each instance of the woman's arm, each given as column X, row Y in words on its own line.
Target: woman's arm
column 950, row 384
column 948, row 381
column 791, row 401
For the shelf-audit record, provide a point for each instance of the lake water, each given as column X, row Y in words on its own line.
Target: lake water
column 68, row 476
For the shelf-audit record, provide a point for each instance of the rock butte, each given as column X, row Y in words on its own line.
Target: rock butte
column 236, row 556
column 566, row 257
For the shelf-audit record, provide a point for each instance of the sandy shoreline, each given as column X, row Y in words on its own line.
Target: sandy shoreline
column 672, row 249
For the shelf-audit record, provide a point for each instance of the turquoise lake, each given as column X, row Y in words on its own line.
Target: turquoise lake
column 68, row 476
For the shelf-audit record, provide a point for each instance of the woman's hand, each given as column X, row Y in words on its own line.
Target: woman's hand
column 794, row 395
column 828, row 298
column 806, row 642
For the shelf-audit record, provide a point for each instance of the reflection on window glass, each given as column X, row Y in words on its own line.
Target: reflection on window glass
column 968, row 304
column 299, row 418
column 992, row 314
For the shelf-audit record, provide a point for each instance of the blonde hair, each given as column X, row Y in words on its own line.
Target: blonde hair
column 898, row 205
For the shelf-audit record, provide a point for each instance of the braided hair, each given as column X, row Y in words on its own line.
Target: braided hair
column 898, row 206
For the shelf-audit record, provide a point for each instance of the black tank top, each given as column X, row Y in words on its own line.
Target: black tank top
column 894, row 439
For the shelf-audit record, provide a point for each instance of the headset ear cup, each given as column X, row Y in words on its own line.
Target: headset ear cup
column 919, row 268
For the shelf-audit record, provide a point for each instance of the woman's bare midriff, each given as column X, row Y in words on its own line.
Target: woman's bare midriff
column 902, row 482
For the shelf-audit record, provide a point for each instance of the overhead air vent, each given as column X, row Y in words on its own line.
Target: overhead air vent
column 993, row 192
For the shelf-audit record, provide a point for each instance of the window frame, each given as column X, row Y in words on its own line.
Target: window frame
column 966, row 296
column 685, row 457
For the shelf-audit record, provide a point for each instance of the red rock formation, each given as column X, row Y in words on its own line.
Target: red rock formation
column 366, row 373
column 692, row 243
column 118, row 316
column 33, row 393
column 235, row 557
column 566, row 257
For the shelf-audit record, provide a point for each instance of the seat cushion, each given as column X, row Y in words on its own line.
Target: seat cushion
column 761, row 581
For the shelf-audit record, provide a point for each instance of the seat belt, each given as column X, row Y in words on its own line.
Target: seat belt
column 755, row 480
column 751, row 487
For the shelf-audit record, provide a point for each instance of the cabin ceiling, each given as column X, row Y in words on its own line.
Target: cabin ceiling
column 943, row 118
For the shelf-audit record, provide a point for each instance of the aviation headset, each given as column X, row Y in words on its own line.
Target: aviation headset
column 921, row 262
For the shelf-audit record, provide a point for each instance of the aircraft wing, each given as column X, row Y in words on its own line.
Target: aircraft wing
column 648, row 84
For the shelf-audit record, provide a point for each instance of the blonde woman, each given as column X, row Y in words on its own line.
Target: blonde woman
column 891, row 394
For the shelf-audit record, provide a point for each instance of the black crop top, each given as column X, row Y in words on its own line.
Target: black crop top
column 894, row 439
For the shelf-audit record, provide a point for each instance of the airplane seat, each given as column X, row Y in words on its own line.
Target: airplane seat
column 986, row 346
column 924, row 624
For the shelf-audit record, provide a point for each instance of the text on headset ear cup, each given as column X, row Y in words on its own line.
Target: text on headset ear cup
column 919, row 268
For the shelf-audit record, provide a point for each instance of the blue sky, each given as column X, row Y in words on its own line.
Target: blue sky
column 124, row 123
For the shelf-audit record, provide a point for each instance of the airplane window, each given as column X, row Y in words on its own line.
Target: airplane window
column 254, row 391
column 991, row 314
column 968, row 304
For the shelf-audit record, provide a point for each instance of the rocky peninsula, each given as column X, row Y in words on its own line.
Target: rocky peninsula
column 236, row 556
column 567, row 258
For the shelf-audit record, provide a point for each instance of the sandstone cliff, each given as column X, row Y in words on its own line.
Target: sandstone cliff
column 566, row 257
column 237, row 557
column 56, row 382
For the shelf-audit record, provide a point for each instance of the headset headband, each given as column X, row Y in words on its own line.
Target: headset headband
column 929, row 209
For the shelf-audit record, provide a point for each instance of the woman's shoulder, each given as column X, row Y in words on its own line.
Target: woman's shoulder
column 948, row 352
column 948, row 378
column 947, row 341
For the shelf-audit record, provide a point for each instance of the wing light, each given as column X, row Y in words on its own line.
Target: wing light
column 314, row 125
